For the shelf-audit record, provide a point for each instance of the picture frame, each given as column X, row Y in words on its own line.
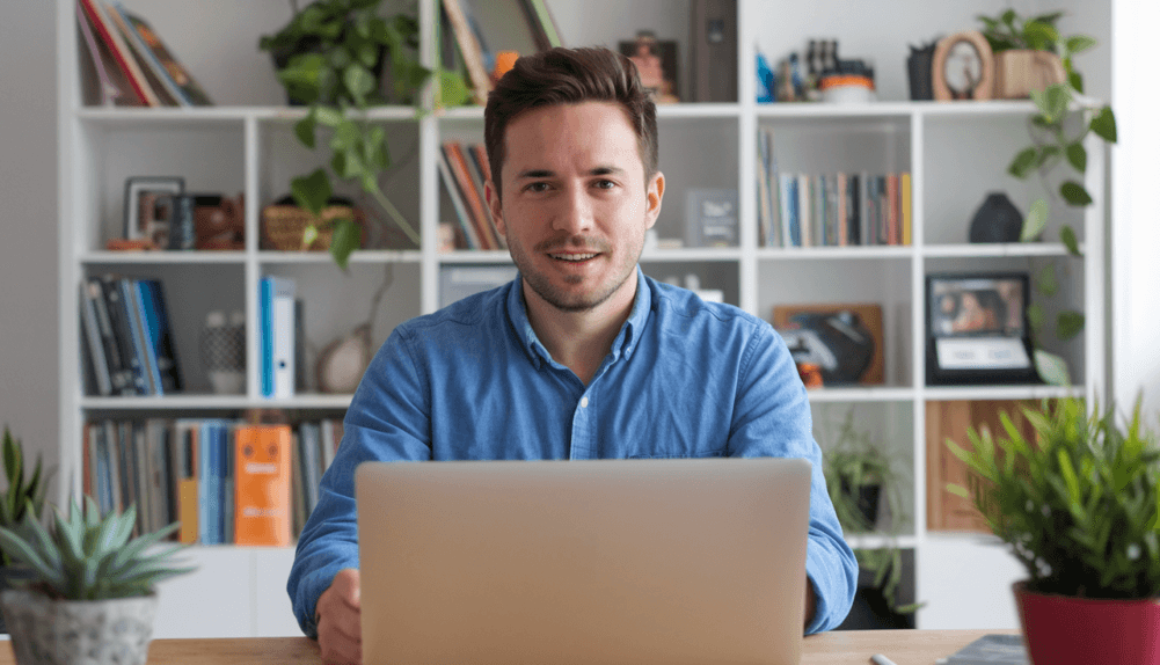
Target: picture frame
column 963, row 68
column 711, row 217
column 657, row 62
column 977, row 329
column 845, row 340
column 146, row 211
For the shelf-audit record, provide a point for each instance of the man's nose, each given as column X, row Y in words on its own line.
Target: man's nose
column 575, row 214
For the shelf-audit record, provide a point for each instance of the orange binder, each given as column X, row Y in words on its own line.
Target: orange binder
column 262, row 485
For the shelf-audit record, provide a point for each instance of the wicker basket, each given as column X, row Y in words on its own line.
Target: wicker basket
column 283, row 226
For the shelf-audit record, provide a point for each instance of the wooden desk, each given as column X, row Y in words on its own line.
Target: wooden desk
column 904, row 647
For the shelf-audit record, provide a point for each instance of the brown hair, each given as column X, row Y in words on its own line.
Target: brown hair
column 569, row 76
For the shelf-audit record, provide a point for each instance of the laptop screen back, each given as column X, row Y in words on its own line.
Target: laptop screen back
column 610, row 561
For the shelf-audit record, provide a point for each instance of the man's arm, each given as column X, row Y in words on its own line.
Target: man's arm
column 772, row 419
column 388, row 419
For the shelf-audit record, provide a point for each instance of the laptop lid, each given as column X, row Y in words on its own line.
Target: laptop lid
column 605, row 561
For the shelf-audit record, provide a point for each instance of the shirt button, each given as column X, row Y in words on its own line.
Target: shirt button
column 583, row 402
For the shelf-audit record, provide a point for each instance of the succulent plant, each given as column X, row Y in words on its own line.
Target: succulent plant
column 87, row 556
column 23, row 495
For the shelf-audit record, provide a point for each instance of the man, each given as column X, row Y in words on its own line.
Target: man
column 581, row 356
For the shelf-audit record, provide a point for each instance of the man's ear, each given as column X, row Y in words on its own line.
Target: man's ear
column 653, row 196
column 493, row 203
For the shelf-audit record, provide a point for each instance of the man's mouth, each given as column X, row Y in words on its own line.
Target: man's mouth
column 573, row 258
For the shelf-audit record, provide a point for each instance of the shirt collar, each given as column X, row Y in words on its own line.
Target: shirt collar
column 625, row 341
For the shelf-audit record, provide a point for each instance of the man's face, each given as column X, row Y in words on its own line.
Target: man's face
column 576, row 203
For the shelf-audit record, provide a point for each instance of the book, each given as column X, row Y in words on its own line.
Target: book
column 158, row 337
column 185, row 466
column 474, row 205
column 907, row 210
column 97, row 366
column 210, row 471
column 262, row 455
column 470, row 237
column 547, row 24
column 175, row 78
column 104, row 83
column 276, row 309
column 713, row 46
column 469, row 49
column 297, row 486
column 105, row 28
column 471, row 157
column 990, row 650
column 121, row 322
column 311, row 439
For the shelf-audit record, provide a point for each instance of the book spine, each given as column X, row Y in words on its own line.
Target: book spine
column 458, row 164
column 907, row 210
column 120, row 51
column 471, row 239
column 282, row 330
column 480, row 175
column 94, row 344
column 142, row 306
column 120, row 322
column 470, row 50
column 145, row 54
column 167, row 365
column 265, row 307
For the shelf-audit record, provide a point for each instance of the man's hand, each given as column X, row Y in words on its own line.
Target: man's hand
column 339, row 628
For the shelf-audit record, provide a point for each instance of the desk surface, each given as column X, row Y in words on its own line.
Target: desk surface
column 904, row 647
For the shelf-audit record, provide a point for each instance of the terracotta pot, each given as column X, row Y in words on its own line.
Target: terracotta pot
column 1062, row 630
column 1018, row 72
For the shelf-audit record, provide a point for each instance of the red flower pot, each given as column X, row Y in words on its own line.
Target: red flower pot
column 1061, row 630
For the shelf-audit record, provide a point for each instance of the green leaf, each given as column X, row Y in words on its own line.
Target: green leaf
column 1052, row 369
column 1075, row 80
column 1075, row 194
column 13, row 467
column 1104, row 124
column 346, row 136
column 348, row 163
column 311, row 192
column 329, row 116
column 1046, row 282
column 1024, row 162
column 304, row 129
column 1035, row 221
column 1079, row 43
column 1077, row 156
column 1069, row 324
column 347, row 238
column 1067, row 235
column 309, row 235
column 20, row 550
column 1039, row 36
column 1057, row 96
column 359, row 81
column 453, row 89
column 1048, row 153
column 1036, row 316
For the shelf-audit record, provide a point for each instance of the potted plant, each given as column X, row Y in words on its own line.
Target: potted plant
column 330, row 57
column 1080, row 509
column 90, row 597
column 1057, row 137
column 23, row 496
column 860, row 477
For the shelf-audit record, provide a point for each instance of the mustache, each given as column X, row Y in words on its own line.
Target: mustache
column 574, row 242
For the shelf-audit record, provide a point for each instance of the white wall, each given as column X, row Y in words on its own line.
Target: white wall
column 1135, row 240
column 28, row 224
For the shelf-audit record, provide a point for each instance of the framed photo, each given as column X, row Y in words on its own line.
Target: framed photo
column 656, row 61
column 148, row 206
column 844, row 340
column 963, row 67
column 977, row 330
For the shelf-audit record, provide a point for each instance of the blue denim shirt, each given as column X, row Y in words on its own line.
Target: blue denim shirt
column 684, row 378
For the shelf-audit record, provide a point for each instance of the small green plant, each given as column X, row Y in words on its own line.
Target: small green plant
column 1079, row 507
column 1063, row 119
column 85, row 556
column 329, row 55
column 24, row 496
column 855, row 461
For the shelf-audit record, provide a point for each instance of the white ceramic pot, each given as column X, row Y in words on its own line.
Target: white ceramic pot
column 68, row 632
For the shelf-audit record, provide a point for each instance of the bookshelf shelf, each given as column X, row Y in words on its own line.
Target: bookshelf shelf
column 956, row 153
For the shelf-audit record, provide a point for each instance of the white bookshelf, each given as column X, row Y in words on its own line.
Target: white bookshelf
column 956, row 152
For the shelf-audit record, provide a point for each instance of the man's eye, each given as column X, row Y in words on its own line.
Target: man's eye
column 604, row 184
column 537, row 187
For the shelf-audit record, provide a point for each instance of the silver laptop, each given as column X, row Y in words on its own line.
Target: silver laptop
column 610, row 561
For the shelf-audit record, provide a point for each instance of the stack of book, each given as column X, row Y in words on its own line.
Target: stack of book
column 227, row 482
column 126, row 62
column 465, row 169
column 832, row 210
column 126, row 343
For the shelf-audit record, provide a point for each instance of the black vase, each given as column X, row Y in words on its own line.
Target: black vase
column 997, row 220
